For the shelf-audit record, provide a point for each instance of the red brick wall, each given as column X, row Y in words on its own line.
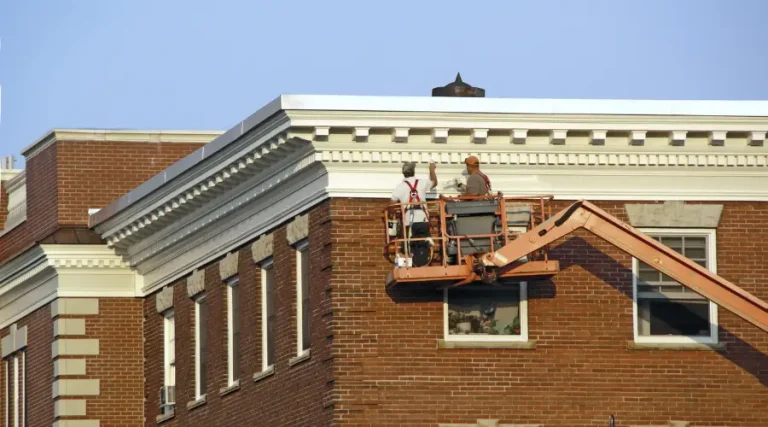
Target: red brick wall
column 39, row 368
column 298, row 395
column 389, row 371
column 67, row 178
column 93, row 174
column 119, row 329
column 3, row 205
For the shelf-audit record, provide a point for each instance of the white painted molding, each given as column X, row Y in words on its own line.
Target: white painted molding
column 321, row 133
column 479, row 136
column 400, row 134
column 361, row 134
column 717, row 138
column 756, row 138
column 14, row 341
column 638, row 137
column 519, row 136
column 597, row 137
column 558, row 136
column 678, row 138
column 440, row 135
column 48, row 272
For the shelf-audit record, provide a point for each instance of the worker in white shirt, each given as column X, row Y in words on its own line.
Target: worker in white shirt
column 412, row 190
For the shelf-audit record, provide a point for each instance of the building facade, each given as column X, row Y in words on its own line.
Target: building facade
column 257, row 281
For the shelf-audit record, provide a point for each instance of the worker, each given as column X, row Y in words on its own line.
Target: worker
column 478, row 183
column 412, row 192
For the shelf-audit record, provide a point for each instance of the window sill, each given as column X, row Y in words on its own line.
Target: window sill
column 300, row 358
column 165, row 417
column 196, row 403
column 522, row 345
column 230, row 389
column 265, row 374
column 631, row 345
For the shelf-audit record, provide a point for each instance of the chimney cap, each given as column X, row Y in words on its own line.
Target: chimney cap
column 459, row 88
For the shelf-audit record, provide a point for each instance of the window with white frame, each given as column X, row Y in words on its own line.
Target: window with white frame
column 15, row 384
column 302, row 299
column 267, row 315
column 15, row 363
column 167, row 393
column 201, row 346
column 486, row 313
column 233, row 330
column 665, row 310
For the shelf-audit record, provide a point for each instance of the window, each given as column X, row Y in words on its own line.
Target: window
column 167, row 395
column 302, row 299
column 267, row 315
column 15, row 393
column 665, row 310
column 233, row 330
column 486, row 313
column 201, row 346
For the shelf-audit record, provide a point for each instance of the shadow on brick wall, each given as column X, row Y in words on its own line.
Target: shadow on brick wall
column 607, row 269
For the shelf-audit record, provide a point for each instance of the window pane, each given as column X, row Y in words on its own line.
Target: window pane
column 235, row 307
column 484, row 311
column 648, row 273
column 675, row 243
column 687, row 318
column 695, row 253
column 270, row 289
column 305, row 311
column 203, row 345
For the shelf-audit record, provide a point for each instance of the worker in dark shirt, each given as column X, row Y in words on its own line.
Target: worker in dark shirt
column 478, row 183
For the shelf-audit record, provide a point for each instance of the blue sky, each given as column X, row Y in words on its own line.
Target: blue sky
column 147, row 64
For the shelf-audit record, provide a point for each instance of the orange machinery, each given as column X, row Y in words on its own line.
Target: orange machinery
column 485, row 238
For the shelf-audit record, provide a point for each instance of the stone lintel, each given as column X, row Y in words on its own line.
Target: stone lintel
column 196, row 283
column 228, row 265
column 164, row 299
column 262, row 248
column 298, row 229
column 674, row 214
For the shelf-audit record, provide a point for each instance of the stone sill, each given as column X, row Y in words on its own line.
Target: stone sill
column 300, row 358
column 165, row 417
column 631, row 345
column 230, row 389
column 196, row 403
column 520, row 345
column 265, row 374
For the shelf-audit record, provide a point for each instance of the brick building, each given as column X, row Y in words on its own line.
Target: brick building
column 250, row 280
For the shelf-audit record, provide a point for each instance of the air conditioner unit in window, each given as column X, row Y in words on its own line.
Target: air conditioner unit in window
column 167, row 398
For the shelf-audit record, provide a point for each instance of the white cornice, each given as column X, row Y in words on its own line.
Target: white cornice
column 168, row 136
column 9, row 174
column 46, row 272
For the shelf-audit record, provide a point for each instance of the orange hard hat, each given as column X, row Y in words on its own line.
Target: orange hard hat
column 472, row 160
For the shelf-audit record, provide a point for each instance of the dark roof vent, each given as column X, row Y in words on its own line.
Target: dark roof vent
column 459, row 88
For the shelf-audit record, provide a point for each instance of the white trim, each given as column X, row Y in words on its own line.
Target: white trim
column 301, row 247
column 198, row 381
column 231, row 285
column 15, row 390
column 711, row 236
column 24, row 388
column 46, row 272
column 266, row 265
column 523, row 337
column 7, row 390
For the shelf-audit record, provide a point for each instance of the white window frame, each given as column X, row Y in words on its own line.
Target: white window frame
column 523, row 337
column 711, row 236
column 300, row 248
column 266, row 265
column 169, row 327
column 15, row 412
column 231, row 313
column 198, row 395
